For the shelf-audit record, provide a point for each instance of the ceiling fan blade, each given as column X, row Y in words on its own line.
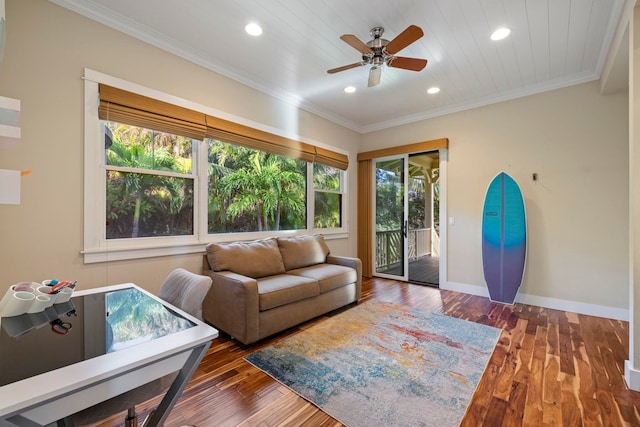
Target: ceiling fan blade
column 345, row 67
column 413, row 64
column 356, row 43
column 404, row 39
column 374, row 76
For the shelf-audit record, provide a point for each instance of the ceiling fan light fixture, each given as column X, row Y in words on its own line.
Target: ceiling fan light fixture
column 375, row 74
column 253, row 29
column 433, row 90
column 350, row 89
column 380, row 52
column 500, row 33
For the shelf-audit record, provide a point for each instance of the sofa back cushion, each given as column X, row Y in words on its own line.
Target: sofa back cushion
column 258, row 258
column 302, row 251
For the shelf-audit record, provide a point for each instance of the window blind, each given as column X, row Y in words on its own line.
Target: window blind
column 126, row 107
column 246, row 136
column 131, row 108
column 331, row 158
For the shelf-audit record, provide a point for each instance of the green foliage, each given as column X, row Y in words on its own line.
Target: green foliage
column 248, row 190
column 326, row 177
column 417, row 190
column 436, row 206
column 141, row 204
column 327, row 200
column 328, row 207
column 389, row 198
column 252, row 190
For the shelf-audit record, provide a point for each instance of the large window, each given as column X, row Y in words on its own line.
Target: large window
column 328, row 188
column 170, row 179
column 149, row 183
column 251, row 190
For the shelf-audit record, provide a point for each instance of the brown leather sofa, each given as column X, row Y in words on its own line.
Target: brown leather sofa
column 265, row 286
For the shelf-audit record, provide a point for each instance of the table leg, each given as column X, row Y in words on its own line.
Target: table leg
column 65, row 422
column 132, row 418
column 171, row 397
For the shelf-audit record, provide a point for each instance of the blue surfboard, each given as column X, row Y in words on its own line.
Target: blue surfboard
column 504, row 238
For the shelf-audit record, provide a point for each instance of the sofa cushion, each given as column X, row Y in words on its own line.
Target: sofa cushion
column 329, row 276
column 282, row 289
column 258, row 258
column 302, row 251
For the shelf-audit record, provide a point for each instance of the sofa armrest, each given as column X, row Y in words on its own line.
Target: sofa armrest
column 232, row 305
column 352, row 262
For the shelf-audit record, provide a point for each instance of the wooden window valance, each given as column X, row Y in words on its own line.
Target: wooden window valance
column 331, row 158
column 126, row 107
column 246, row 136
column 416, row 147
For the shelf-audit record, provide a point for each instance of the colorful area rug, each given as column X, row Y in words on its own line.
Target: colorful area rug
column 381, row 364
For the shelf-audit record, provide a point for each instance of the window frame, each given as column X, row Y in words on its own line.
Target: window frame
column 96, row 248
column 205, row 143
column 193, row 175
column 341, row 191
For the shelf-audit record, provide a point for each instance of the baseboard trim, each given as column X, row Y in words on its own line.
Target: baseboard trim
column 546, row 302
column 464, row 288
column 631, row 376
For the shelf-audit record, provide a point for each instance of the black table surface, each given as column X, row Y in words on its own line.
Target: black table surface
column 99, row 323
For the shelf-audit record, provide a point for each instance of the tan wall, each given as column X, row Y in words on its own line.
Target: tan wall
column 47, row 49
column 577, row 142
column 575, row 139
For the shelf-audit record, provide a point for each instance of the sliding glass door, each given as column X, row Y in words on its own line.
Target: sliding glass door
column 391, row 207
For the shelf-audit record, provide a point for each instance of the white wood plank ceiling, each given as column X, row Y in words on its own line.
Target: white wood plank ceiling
column 553, row 43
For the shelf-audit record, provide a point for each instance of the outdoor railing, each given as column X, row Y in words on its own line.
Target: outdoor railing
column 389, row 251
column 419, row 242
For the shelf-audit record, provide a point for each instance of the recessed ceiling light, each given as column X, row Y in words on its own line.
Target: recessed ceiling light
column 433, row 90
column 500, row 33
column 350, row 89
column 253, row 29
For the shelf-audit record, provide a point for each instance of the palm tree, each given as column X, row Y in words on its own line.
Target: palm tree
column 267, row 184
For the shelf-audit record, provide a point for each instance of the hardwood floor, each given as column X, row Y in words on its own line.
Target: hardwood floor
column 550, row 368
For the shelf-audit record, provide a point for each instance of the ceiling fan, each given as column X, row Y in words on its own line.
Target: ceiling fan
column 380, row 51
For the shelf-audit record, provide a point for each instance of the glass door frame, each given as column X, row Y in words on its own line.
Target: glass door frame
column 404, row 276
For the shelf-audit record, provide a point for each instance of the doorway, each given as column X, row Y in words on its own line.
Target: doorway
column 406, row 210
column 390, row 203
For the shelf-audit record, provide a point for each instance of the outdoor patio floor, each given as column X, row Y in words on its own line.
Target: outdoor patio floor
column 424, row 270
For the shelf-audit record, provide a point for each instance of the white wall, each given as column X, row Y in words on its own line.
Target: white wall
column 577, row 142
column 47, row 49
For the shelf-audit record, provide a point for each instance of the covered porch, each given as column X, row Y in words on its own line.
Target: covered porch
column 419, row 191
column 424, row 259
